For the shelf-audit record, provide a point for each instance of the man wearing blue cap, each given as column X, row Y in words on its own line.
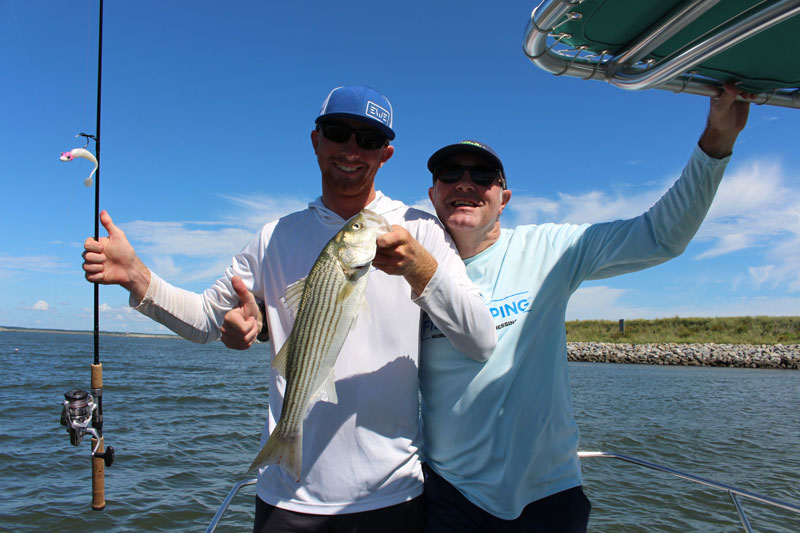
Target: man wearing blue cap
column 360, row 462
column 500, row 439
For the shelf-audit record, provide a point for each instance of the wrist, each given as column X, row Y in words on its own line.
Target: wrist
column 138, row 280
column 716, row 144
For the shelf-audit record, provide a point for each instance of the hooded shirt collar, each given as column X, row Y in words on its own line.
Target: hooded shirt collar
column 382, row 205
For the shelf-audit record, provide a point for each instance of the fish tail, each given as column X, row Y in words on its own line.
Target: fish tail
column 286, row 452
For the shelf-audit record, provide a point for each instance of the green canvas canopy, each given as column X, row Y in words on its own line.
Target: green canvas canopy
column 680, row 45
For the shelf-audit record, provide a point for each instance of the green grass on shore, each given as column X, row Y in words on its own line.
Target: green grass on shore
column 724, row 330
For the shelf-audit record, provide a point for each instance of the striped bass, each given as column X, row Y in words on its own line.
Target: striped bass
column 325, row 305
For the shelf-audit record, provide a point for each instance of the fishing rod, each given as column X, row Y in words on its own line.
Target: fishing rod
column 79, row 407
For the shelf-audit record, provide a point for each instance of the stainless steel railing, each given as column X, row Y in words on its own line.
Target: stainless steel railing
column 733, row 492
column 227, row 501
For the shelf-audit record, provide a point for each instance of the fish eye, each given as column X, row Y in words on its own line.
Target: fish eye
column 356, row 225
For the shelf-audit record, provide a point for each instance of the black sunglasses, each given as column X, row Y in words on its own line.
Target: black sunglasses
column 366, row 138
column 483, row 176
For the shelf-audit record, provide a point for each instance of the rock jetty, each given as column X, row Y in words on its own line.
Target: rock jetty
column 777, row 356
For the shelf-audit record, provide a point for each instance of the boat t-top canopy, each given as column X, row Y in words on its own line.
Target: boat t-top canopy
column 691, row 46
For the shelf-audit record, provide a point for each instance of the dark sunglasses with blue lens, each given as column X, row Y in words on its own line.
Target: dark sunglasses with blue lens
column 366, row 138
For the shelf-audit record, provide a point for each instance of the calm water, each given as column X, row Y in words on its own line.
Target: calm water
column 185, row 421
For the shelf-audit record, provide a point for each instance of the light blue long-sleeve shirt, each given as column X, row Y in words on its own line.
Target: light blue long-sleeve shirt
column 503, row 431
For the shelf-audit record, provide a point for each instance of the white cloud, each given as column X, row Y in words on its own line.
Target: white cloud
column 424, row 204
column 588, row 207
column 756, row 209
column 256, row 210
column 530, row 210
column 761, row 274
column 40, row 305
column 32, row 263
column 188, row 251
column 190, row 239
column 607, row 303
column 598, row 303
column 728, row 243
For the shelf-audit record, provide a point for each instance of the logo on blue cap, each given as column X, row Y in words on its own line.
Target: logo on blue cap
column 374, row 110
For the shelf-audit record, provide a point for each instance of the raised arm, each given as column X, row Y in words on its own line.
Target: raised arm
column 664, row 231
column 197, row 317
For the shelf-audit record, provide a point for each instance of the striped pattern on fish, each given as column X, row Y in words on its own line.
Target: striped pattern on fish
column 327, row 302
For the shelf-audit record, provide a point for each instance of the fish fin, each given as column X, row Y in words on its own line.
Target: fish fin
column 284, row 452
column 363, row 314
column 88, row 181
column 327, row 391
column 344, row 293
column 293, row 295
column 280, row 359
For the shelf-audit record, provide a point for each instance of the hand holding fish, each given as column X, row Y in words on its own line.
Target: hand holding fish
column 399, row 253
column 112, row 261
column 243, row 323
column 325, row 305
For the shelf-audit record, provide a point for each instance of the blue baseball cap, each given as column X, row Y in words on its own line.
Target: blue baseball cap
column 468, row 147
column 361, row 103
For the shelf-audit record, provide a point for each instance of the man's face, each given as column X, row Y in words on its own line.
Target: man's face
column 464, row 206
column 347, row 168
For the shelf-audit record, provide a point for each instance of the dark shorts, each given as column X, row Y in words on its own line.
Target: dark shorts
column 446, row 509
column 406, row 517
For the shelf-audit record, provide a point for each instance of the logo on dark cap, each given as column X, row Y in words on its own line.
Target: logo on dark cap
column 473, row 143
column 377, row 112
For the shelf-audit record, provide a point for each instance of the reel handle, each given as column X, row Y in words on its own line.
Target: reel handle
column 107, row 456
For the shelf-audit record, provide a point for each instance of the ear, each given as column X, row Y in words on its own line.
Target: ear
column 505, row 197
column 430, row 195
column 315, row 140
column 388, row 152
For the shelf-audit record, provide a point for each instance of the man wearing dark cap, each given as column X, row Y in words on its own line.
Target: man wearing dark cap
column 360, row 463
column 500, row 438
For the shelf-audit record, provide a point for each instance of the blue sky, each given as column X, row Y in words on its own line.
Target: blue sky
column 206, row 115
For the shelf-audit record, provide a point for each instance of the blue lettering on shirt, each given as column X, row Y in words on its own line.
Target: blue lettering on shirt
column 505, row 309
column 511, row 306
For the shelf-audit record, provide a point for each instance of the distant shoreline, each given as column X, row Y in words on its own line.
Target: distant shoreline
column 777, row 356
column 82, row 332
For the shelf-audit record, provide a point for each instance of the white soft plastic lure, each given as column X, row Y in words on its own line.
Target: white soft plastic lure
column 84, row 153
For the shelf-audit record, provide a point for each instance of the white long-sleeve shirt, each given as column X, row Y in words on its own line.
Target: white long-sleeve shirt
column 361, row 453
